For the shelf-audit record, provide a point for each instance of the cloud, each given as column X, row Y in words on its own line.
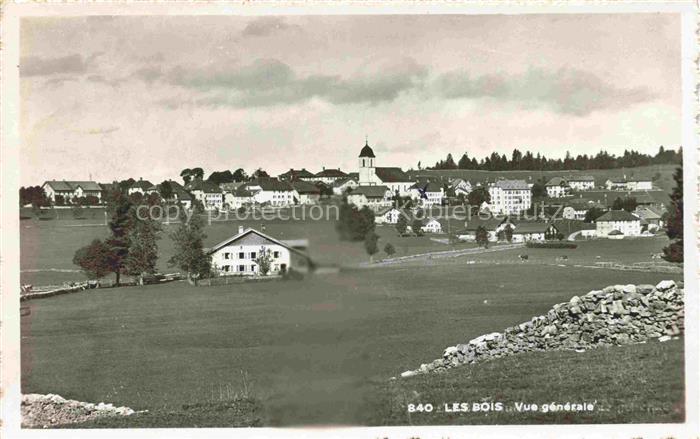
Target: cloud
column 567, row 91
column 265, row 26
column 38, row 66
column 269, row 82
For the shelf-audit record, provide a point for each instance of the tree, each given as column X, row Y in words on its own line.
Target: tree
column 260, row 173
column 166, row 190
column 593, row 214
column 221, row 177
column 389, row 249
column 120, row 224
column 482, row 237
column 143, row 248
column 538, row 189
column 33, row 195
column 674, row 227
column 371, row 244
column 477, row 196
column 186, row 175
column 239, row 175
column 402, row 224
column 264, row 261
column 416, row 227
column 508, row 232
column 354, row 224
column 617, row 204
column 94, row 259
column 189, row 255
column 629, row 204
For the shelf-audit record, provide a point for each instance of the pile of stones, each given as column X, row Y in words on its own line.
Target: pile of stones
column 616, row 315
column 44, row 411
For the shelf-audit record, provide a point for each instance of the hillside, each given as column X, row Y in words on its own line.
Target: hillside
column 661, row 175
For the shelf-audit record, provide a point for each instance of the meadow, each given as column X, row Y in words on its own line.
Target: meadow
column 47, row 247
column 321, row 350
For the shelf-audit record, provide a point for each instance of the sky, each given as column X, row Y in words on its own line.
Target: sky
column 107, row 98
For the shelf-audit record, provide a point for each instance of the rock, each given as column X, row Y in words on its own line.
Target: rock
column 408, row 373
column 450, row 351
column 629, row 289
column 665, row 285
column 664, row 338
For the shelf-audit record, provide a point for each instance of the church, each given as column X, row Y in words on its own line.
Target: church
column 370, row 175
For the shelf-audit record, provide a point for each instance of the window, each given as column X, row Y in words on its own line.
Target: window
column 241, row 268
column 276, row 254
column 241, row 255
column 227, row 255
column 253, row 255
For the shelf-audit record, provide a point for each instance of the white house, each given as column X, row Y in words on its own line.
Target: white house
column 69, row 190
column 239, row 255
column 209, row 194
column 307, row 193
column 141, row 186
column 428, row 194
column 492, row 225
column 557, row 187
column 581, row 182
column 510, row 196
column 238, row 197
column 344, row 185
column 533, row 231
column 387, row 215
column 621, row 220
column 394, row 179
column 271, row 191
column 640, row 184
column 374, row 197
column 431, row 225
column 461, row 187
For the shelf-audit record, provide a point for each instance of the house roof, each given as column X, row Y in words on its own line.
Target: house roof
column 512, row 185
column 366, row 151
column 142, row 184
column 296, row 173
column 232, row 186
column 205, row 186
column 426, row 221
column 531, row 227
column 647, row 213
column 69, row 186
column 304, row 187
column 242, row 192
column 615, row 232
column 556, row 181
column 580, row 178
column 385, row 210
column 430, row 186
column 271, row 184
column 336, row 173
column 342, row 181
column 617, row 215
column 489, row 224
column 247, row 232
column 391, row 175
column 370, row 191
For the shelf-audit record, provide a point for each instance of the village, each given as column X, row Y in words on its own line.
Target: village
column 566, row 207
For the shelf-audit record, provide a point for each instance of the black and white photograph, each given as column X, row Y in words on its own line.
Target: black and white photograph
column 268, row 218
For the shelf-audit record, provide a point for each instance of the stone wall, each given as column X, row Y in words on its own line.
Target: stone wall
column 44, row 411
column 616, row 315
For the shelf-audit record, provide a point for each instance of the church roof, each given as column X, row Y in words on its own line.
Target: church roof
column 392, row 175
column 367, row 151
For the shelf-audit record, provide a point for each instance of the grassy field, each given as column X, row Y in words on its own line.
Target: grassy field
column 662, row 175
column 320, row 350
column 47, row 247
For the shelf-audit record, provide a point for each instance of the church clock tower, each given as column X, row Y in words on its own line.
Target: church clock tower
column 366, row 161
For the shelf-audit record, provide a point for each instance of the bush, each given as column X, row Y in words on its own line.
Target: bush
column 568, row 245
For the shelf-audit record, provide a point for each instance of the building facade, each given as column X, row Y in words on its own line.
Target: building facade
column 509, row 197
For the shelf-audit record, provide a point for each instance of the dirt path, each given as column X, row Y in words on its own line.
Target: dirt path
column 440, row 255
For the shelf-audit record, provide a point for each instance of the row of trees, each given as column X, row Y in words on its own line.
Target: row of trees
column 535, row 162
column 132, row 248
